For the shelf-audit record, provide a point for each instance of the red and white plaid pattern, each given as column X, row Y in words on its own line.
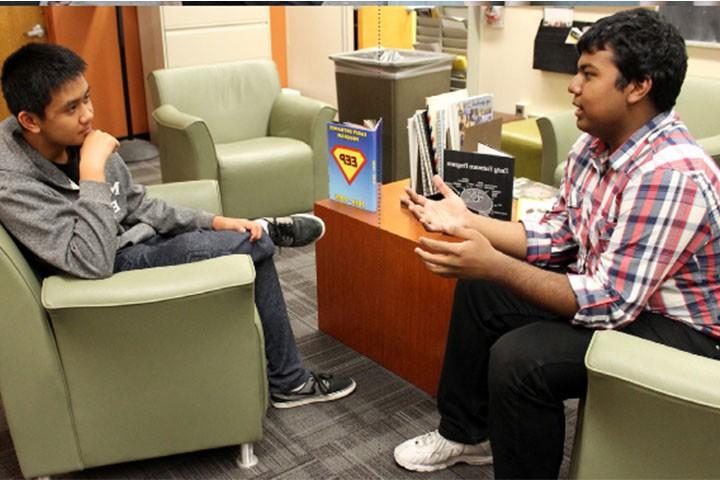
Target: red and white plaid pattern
column 639, row 229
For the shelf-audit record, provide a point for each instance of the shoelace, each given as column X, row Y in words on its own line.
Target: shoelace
column 284, row 230
column 322, row 380
column 425, row 439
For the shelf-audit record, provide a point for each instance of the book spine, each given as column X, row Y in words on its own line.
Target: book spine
column 432, row 169
column 423, row 153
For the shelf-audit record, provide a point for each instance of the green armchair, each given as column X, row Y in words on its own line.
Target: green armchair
column 232, row 123
column 651, row 411
column 143, row 364
column 697, row 103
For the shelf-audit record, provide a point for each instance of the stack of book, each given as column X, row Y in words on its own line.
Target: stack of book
column 443, row 140
column 423, row 164
column 442, row 126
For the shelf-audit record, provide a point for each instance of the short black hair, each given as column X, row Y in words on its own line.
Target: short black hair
column 644, row 45
column 34, row 72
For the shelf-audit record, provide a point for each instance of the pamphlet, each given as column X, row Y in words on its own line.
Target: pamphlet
column 354, row 163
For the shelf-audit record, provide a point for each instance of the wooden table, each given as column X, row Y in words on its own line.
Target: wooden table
column 374, row 293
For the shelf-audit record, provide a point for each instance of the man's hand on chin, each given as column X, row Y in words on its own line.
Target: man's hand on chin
column 94, row 153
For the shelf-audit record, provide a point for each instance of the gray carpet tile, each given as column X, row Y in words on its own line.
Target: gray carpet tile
column 296, row 269
column 348, row 439
column 146, row 172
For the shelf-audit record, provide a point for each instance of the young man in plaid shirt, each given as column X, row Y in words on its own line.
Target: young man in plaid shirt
column 632, row 243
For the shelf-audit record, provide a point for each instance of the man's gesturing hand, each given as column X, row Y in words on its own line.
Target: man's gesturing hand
column 474, row 257
column 437, row 215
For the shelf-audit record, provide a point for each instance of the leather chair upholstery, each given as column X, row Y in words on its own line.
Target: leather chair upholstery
column 231, row 122
column 143, row 364
column 651, row 411
column 697, row 103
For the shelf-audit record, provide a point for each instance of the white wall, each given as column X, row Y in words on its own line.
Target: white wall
column 314, row 33
column 504, row 62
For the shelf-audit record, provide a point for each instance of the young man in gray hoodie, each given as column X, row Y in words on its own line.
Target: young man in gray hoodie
column 69, row 199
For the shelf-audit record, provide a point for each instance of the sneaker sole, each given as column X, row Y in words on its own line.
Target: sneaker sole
column 317, row 399
column 309, row 215
column 469, row 459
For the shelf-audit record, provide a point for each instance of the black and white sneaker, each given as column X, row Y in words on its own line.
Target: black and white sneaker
column 296, row 230
column 320, row 387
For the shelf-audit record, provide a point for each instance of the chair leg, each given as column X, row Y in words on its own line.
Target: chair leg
column 246, row 459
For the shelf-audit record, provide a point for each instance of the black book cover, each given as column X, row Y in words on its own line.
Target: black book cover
column 484, row 180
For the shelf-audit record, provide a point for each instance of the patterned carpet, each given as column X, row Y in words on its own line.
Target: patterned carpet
column 352, row 438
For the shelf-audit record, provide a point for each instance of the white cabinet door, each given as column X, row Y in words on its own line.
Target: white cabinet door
column 199, row 35
column 194, row 17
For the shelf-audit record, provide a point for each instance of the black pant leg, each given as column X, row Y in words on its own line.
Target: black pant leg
column 532, row 369
column 482, row 312
column 509, row 366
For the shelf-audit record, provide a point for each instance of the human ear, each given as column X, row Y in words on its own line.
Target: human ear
column 29, row 121
column 638, row 90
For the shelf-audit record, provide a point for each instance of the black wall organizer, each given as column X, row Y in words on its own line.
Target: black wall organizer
column 551, row 53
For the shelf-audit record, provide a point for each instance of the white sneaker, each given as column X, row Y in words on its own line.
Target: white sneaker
column 432, row 451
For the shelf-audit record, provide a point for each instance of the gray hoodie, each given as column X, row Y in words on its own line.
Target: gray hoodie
column 78, row 228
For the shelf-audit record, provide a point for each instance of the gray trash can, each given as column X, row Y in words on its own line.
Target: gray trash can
column 392, row 84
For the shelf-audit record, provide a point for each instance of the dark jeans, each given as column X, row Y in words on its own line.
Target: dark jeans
column 509, row 366
column 284, row 366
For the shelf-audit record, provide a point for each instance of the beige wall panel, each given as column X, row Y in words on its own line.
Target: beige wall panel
column 219, row 44
column 314, row 33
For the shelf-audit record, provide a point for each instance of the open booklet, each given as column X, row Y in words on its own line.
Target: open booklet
column 483, row 179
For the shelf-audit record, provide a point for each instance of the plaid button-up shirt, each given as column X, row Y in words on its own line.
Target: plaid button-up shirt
column 638, row 228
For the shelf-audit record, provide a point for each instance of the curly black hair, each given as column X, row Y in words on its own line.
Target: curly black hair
column 34, row 72
column 644, row 45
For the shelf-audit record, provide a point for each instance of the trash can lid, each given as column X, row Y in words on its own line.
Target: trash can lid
column 391, row 61
column 392, row 57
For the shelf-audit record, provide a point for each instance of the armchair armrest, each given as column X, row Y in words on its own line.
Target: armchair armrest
column 651, row 411
column 152, row 285
column 305, row 119
column 202, row 194
column 187, row 151
column 298, row 117
column 650, row 365
column 175, row 349
column 711, row 145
